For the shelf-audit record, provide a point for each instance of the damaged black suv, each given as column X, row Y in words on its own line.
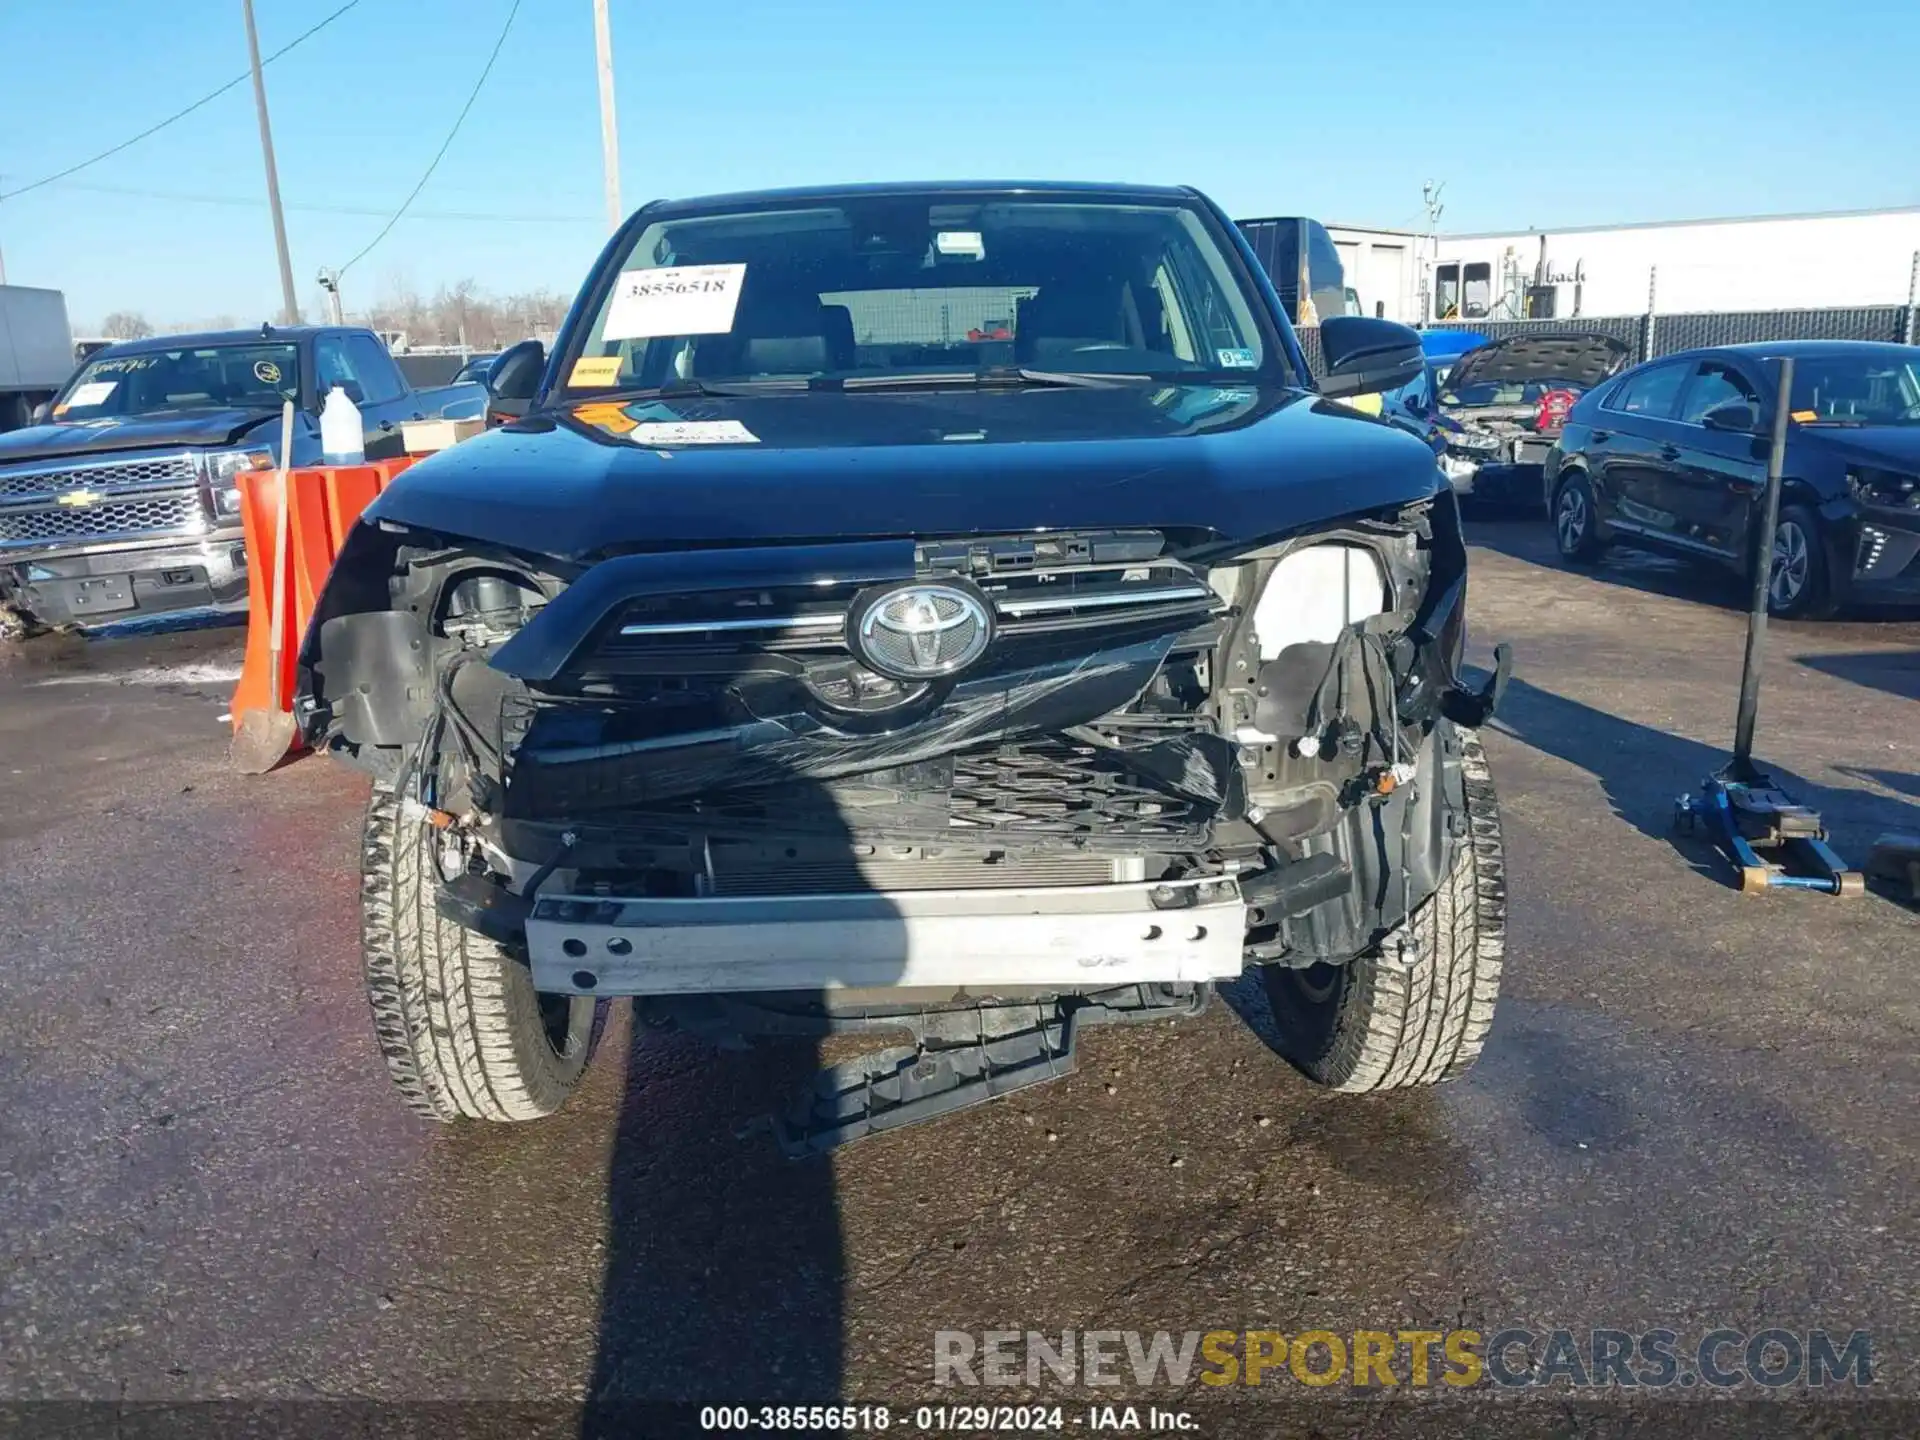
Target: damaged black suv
column 949, row 609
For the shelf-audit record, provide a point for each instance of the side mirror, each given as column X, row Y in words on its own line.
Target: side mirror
column 42, row 412
column 1736, row 417
column 513, row 379
column 1365, row 356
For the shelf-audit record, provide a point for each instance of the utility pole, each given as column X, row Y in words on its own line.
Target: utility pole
column 329, row 281
column 609, row 130
column 290, row 308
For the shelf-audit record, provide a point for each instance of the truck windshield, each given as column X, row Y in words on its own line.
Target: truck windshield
column 216, row 377
column 1856, row 390
column 906, row 285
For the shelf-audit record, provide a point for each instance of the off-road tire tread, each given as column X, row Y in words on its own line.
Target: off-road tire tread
column 455, row 1014
column 1400, row 1025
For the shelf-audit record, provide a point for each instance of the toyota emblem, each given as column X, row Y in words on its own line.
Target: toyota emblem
column 921, row 631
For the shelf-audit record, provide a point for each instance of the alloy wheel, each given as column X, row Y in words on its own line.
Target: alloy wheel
column 1571, row 519
column 1792, row 561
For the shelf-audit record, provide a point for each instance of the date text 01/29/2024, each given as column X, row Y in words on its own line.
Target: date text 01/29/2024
column 938, row 1419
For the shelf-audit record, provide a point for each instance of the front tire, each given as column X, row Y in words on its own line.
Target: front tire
column 1799, row 586
column 1576, row 521
column 463, row 1031
column 1380, row 1023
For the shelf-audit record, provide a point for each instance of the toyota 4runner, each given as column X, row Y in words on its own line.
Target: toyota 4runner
column 950, row 609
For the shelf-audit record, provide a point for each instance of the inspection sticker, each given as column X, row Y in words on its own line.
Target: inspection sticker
column 594, row 370
column 693, row 432
column 1236, row 359
column 674, row 300
column 93, row 393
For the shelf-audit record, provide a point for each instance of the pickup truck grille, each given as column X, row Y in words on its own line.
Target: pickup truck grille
column 109, row 475
column 169, row 514
column 72, row 502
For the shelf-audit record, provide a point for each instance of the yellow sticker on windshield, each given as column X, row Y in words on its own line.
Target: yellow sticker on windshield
column 1805, row 417
column 594, row 370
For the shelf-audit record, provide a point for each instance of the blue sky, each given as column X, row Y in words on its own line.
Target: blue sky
column 1534, row 116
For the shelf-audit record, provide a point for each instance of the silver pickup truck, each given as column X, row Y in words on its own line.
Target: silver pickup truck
column 120, row 497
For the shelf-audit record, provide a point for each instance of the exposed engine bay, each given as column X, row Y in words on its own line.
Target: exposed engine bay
column 1250, row 743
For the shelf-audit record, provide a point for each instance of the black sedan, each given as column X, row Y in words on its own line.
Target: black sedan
column 1672, row 456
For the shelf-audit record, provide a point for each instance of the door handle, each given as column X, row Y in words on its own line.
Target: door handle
column 386, row 424
column 1669, row 452
column 1600, row 437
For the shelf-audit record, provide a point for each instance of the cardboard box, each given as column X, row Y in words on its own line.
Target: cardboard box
column 423, row 437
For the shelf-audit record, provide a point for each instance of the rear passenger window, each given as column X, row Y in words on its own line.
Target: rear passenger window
column 1651, row 392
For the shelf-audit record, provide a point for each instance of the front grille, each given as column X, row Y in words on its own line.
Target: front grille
column 1057, row 787
column 178, row 514
column 1037, row 585
column 103, row 475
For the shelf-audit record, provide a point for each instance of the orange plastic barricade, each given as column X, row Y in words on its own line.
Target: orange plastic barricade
column 326, row 500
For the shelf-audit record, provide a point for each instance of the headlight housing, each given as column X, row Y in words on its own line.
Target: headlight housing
column 225, row 467
column 1888, row 489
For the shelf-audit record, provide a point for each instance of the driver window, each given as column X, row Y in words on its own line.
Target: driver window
column 1717, row 384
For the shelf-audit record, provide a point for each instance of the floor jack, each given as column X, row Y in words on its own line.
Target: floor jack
column 1741, row 807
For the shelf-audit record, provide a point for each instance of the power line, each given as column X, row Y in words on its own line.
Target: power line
column 247, row 202
column 240, row 79
column 432, row 165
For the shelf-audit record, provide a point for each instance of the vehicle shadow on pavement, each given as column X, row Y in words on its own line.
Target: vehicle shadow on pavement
column 725, row 1267
column 1701, row 582
column 1643, row 771
column 1896, row 672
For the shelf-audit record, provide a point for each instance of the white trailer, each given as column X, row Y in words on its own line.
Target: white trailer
column 36, row 351
column 1767, row 262
column 1383, row 269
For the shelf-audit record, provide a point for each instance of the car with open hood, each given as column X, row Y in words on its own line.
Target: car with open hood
column 1672, row 457
column 948, row 609
column 1502, row 406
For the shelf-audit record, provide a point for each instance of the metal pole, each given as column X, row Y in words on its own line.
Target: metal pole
column 1646, row 347
column 1913, row 296
column 609, row 129
column 1762, row 582
column 290, row 308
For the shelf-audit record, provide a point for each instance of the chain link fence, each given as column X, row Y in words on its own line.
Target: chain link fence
column 1652, row 336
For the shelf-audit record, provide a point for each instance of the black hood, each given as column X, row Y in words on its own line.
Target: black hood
column 1583, row 360
column 1225, row 463
column 137, row 432
column 1877, row 447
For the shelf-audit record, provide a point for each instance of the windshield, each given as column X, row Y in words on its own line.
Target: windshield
column 1855, row 390
column 215, row 377
column 898, row 286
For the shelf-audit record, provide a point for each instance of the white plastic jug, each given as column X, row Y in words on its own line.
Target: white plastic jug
column 342, row 440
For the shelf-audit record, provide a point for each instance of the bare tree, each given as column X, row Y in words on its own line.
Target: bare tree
column 126, row 325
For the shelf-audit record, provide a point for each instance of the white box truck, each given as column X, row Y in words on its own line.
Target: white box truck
column 36, row 351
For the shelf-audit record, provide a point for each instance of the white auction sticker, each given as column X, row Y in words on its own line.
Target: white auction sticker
column 674, row 300
column 93, row 393
column 693, row 432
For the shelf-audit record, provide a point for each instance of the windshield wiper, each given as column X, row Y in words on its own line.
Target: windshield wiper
column 993, row 377
column 680, row 389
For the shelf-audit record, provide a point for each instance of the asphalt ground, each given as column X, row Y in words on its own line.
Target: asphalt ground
column 1697, row 1110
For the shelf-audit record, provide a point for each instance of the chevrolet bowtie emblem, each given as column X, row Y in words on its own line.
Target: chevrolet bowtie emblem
column 78, row 498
